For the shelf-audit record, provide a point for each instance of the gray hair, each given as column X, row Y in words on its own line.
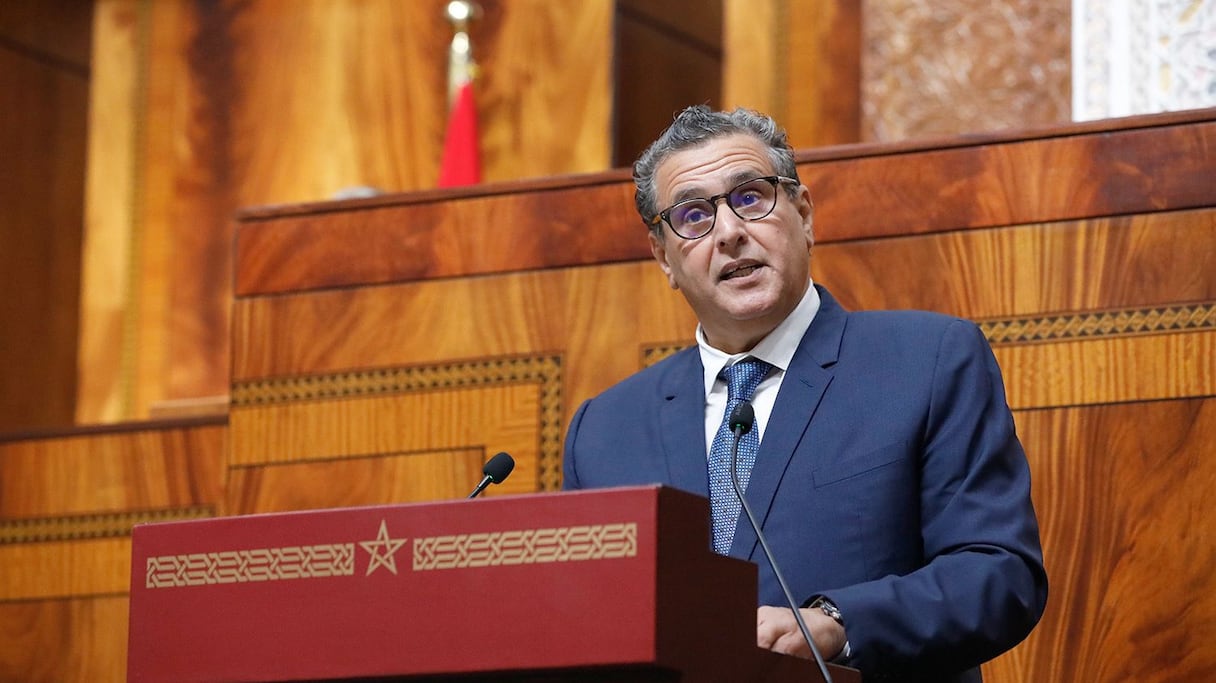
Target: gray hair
column 694, row 126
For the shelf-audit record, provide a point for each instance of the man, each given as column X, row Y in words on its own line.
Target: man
column 888, row 477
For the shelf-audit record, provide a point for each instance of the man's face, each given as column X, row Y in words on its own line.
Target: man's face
column 744, row 277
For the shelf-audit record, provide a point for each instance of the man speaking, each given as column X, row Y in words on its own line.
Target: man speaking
column 883, row 466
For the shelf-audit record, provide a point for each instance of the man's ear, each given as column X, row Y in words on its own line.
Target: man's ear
column 806, row 209
column 660, row 254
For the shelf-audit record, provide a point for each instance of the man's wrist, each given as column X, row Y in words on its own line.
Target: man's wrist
column 829, row 608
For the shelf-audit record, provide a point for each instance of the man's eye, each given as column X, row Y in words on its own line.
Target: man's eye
column 692, row 214
column 747, row 197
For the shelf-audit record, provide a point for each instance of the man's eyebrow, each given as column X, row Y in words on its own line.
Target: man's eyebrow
column 737, row 178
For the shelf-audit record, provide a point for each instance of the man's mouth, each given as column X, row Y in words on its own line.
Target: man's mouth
column 741, row 271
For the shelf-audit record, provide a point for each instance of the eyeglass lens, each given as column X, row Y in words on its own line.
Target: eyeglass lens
column 751, row 201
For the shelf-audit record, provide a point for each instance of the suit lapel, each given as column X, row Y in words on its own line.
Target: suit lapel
column 802, row 389
column 682, row 421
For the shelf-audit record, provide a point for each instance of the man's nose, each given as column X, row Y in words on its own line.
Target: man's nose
column 729, row 227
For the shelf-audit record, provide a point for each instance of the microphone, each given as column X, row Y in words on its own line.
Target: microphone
column 496, row 470
column 741, row 420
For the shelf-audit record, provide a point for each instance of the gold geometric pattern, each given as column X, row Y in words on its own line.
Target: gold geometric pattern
column 543, row 370
column 1183, row 318
column 1031, row 329
column 526, row 546
column 382, row 550
column 654, row 354
column 91, row 526
column 245, row 566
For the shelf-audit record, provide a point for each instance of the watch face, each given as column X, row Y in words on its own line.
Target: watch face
column 829, row 609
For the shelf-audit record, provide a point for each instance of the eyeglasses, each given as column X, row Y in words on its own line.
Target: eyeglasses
column 750, row 200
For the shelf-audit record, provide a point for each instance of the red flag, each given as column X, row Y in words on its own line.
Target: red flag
column 461, row 161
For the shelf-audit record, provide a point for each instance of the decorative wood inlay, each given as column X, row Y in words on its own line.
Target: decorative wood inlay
column 546, row 371
column 654, row 354
column 100, row 525
column 1183, row 318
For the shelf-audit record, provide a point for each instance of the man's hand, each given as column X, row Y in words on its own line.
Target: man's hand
column 777, row 630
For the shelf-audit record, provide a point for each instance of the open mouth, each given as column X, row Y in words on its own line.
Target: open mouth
column 742, row 271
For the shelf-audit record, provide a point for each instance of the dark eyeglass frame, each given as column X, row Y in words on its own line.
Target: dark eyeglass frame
column 665, row 214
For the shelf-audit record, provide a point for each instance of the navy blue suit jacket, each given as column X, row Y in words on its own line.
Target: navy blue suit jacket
column 889, row 479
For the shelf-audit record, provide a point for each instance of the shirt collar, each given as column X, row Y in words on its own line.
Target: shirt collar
column 776, row 349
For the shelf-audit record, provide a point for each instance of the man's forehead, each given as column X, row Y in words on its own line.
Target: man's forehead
column 713, row 166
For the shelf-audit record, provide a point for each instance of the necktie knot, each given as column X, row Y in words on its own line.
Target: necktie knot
column 743, row 377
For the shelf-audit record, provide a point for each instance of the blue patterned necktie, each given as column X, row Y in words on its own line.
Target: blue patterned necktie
column 742, row 378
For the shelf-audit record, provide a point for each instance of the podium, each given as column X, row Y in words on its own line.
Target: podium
column 608, row 585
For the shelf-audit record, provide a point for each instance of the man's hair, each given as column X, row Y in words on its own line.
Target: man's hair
column 697, row 125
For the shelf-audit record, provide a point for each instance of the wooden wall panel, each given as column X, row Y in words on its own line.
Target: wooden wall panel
column 57, row 641
column 67, row 505
column 221, row 105
column 1087, row 171
column 667, row 56
column 373, row 480
column 800, row 62
column 44, row 69
column 1122, row 497
column 1113, row 263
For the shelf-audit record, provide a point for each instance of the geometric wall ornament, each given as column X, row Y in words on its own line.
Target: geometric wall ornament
column 1142, row 57
column 1116, row 323
column 544, row 371
column 92, row 526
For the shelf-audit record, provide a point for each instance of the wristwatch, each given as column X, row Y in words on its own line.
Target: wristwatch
column 829, row 608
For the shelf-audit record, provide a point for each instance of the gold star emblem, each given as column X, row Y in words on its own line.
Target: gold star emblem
column 381, row 550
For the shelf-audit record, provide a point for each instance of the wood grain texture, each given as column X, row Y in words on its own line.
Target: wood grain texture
column 1122, row 495
column 798, row 61
column 270, row 102
column 107, row 311
column 1120, row 262
column 42, row 135
column 41, row 571
column 1070, row 173
column 667, row 56
column 1057, row 178
column 67, row 503
column 489, row 419
column 55, row 641
column 374, row 480
column 108, row 472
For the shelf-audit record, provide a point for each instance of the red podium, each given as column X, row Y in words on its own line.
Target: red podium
column 604, row 585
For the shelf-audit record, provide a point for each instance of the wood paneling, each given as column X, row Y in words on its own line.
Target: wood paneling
column 1120, row 262
column 798, row 61
column 1096, row 170
column 56, row 641
column 376, row 480
column 44, row 69
column 67, row 505
column 667, row 56
column 112, row 471
column 1122, row 497
column 221, row 105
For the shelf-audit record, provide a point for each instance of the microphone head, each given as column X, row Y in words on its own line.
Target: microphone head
column 499, row 467
column 742, row 417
